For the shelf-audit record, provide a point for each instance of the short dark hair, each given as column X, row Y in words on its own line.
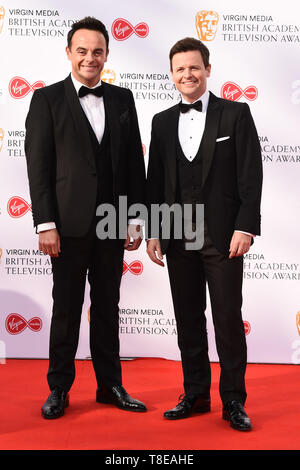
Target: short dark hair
column 190, row 44
column 89, row 22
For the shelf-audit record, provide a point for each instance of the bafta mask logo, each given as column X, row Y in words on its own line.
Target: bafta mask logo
column 2, row 15
column 298, row 322
column 108, row 76
column 207, row 24
column 1, row 138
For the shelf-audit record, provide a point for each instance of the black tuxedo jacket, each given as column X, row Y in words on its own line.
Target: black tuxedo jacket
column 231, row 169
column 61, row 161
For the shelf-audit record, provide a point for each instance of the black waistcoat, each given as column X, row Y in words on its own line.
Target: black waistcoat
column 189, row 177
column 102, row 152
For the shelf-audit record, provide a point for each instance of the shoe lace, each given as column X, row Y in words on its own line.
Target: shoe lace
column 182, row 398
column 56, row 393
column 237, row 410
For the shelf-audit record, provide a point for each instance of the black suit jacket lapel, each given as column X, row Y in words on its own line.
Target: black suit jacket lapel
column 113, row 121
column 171, row 137
column 210, row 134
column 83, row 136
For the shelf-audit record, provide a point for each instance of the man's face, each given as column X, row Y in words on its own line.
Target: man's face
column 189, row 74
column 88, row 55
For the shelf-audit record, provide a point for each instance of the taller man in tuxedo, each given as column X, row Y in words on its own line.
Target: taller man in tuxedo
column 83, row 148
column 207, row 153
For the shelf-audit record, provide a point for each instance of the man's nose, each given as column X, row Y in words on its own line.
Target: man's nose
column 89, row 57
column 187, row 73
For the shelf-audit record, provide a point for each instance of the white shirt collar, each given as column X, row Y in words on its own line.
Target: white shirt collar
column 204, row 98
column 78, row 84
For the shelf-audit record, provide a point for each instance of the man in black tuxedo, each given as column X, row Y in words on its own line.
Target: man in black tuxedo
column 206, row 153
column 83, row 149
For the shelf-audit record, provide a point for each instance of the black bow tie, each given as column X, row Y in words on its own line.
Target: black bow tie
column 184, row 108
column 83, row 91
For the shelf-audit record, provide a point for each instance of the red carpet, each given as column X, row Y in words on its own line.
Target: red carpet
column 273, row 405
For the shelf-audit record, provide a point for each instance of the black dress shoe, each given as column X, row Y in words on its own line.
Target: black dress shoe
column 55, row 405
column 188, row 405
column 234, row 412
column 118, row 396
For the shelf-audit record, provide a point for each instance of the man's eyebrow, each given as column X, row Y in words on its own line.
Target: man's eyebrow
column 85, row 49
column 182, row 66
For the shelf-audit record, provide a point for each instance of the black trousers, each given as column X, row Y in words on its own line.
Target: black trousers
column 190, row 272
column 101, row 261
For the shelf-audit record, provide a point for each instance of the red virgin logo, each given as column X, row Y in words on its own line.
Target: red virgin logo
column 247, row 327
column 136, row 267
column 15, row 324
column 232, row 91
column 19, row 87
column 17, row 207
column 121, row 29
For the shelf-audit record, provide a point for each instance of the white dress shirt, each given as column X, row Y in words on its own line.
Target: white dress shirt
column 93, row 106
column 191, row 127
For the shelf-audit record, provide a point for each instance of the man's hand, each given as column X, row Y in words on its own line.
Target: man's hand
column 49, row 242
column 154, row 251
column 134, row 237
column 240, row 244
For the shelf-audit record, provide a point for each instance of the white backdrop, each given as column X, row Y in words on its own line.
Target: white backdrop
column 255, row 58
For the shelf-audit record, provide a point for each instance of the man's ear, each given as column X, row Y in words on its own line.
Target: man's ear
column 68, row 52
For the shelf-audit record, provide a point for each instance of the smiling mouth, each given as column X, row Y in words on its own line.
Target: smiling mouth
column 189, row 83
column 89, row 69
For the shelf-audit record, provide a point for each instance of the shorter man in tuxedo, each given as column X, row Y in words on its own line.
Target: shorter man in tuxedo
column 205, row 151
column 83, row 149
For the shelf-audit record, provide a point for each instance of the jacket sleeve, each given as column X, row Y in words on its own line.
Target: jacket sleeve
column 40, row 156
column 249, row 173
column 136, row 164
column 155, row 194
